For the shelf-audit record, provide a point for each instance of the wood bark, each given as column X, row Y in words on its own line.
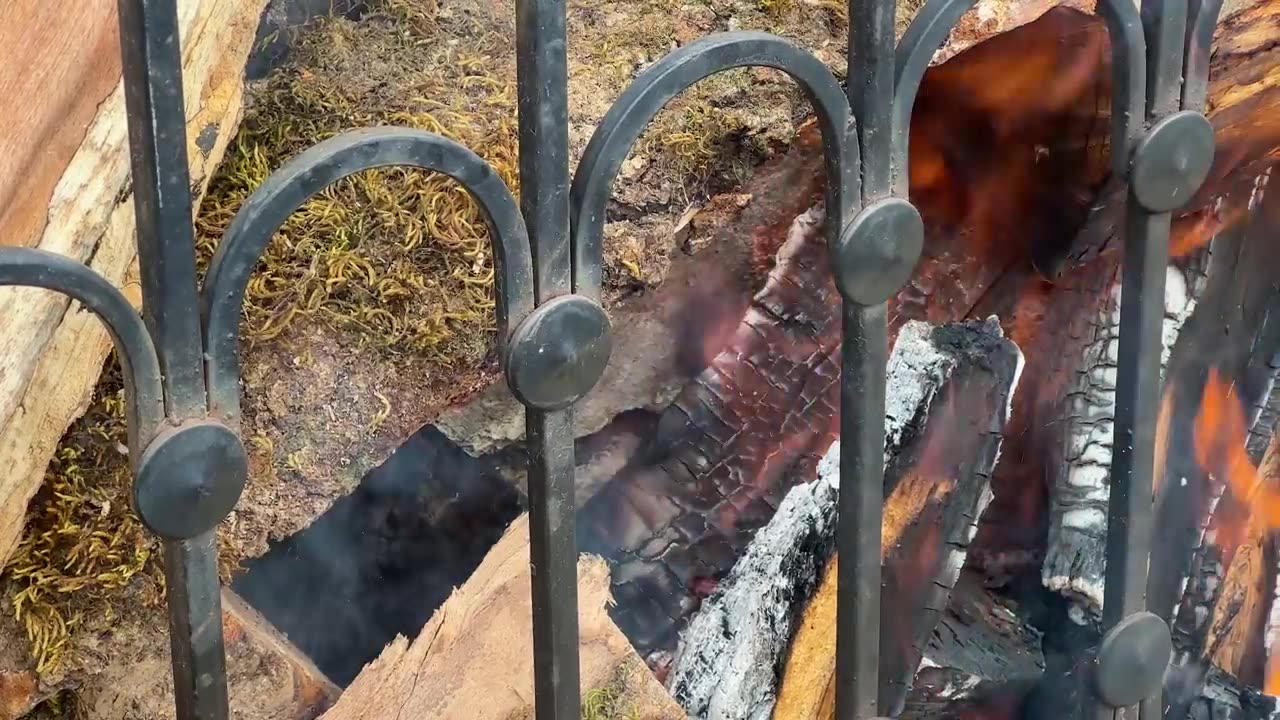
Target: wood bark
column 75, row 200
column 474, row 659
column 1075, row 563
column 1081, row 275
column 1210, row 571
column 765, row 404
column 730, row 655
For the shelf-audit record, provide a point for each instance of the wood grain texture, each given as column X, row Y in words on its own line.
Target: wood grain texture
column 60, row 60
column 474, row 658
column 51, row 350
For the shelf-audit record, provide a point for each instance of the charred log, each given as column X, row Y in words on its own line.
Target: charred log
column 950, row 390
column 1075, row 562
column 1232, row 336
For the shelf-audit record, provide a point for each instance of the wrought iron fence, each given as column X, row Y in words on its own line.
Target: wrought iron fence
column 180, row 357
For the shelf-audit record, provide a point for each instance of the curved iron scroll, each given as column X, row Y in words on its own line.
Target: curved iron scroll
column 30, row 267
column 189, row 461
column 667, row 78
column 308, row 174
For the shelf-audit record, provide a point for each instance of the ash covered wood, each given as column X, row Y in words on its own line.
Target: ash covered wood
column 1075, row 560
column 729, row 662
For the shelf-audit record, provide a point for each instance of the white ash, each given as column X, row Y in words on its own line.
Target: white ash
column 731, row 654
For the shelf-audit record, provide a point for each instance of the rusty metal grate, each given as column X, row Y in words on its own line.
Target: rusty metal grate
column 181, row 358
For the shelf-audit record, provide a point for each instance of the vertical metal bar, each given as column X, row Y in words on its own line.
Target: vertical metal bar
column 151, row 55
column 1203, row 20
column 1146, row 257
column 1129, row 512
column 195, row 628
column 542, row 86
column 152, row 66
column 543, row 109
column 553, row 550
column 862, row 397
column 864, row 354
column 870, row 87
column 1165, row 22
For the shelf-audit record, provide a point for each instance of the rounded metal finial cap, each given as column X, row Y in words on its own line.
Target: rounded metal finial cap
column 558, row 353
column 1132, row 660
column 1172, row 161
column 189, row 478
column 877, row 251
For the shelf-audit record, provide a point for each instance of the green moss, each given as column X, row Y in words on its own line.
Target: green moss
column 82, row 542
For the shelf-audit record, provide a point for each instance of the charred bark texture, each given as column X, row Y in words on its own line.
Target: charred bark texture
column 674, row 521
column 1075, row 561
column 950, row 390
column 949, row 466
column 1235, row 334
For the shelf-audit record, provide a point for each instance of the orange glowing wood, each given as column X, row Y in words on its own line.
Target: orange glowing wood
column 1241, row 639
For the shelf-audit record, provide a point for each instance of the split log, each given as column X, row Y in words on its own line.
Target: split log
column 936, row 486
column 474, row 659
column 982, row 661
column 67, row 191
column 269, row 678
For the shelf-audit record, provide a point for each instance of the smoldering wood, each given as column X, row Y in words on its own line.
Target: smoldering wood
column 1236, row 332
column 1232, row 333
column 1075, row 559
column 729, row 660
column 1247, row 138
column 936, row 487
column 982, row 653
column 718, row 438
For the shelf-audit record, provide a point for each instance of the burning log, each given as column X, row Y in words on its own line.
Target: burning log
column 474, row 658
column 1075, row 562
column 937, row 479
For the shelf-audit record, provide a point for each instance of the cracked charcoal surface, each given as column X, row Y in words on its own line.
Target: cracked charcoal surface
column 1075, row 561
column 730, row 655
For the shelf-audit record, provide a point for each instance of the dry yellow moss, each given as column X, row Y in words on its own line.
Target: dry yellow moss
column 82, row 542
column 399, row 258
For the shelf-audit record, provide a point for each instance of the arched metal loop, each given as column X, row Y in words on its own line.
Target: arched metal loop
column 924, row 36
column 32, row 267
column 670, row 76
column 311, row 172
column 1203, row 20
column 1129, row 79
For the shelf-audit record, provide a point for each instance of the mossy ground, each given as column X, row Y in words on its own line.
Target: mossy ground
column 372, row 308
